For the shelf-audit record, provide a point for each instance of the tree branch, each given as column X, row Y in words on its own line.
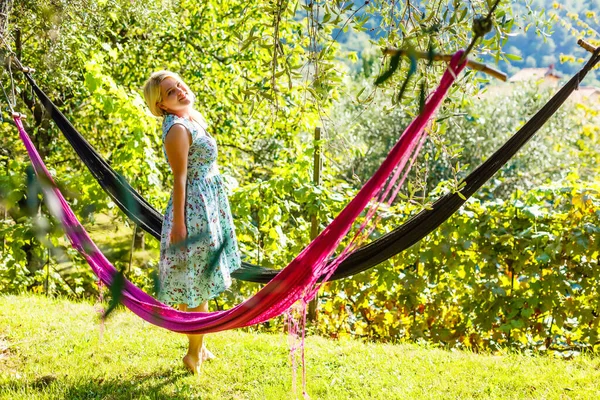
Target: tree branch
column 447, row 57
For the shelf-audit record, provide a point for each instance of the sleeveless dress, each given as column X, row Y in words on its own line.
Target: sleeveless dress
column 200, row 269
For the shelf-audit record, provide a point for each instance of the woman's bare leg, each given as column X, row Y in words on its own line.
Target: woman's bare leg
column 193, row 359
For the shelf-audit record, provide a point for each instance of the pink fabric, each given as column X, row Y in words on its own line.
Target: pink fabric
column 298, row 281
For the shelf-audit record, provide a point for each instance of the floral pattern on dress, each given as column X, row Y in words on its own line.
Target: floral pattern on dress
column 201, row 269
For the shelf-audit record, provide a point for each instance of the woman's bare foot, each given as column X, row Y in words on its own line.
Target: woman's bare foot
column 192, row 363
column 207, row 354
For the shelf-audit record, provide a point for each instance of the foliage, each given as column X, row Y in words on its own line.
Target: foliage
column 266, row 74
column 545, row 33
column 520, row 272
column 463, row 137
column 116, row 44
column 567, row 142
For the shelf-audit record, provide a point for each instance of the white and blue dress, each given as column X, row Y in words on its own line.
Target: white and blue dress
column 201, row 269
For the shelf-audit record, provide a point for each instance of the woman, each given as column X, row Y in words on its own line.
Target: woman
column 198, row 248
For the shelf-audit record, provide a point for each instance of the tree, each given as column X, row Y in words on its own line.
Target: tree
column 265, row 73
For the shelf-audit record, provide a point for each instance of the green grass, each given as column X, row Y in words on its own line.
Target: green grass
column 56, row 349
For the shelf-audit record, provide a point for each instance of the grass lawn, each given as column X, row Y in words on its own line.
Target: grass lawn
column 56, row 349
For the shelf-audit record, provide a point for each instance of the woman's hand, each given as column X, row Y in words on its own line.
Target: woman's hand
column 178, row 233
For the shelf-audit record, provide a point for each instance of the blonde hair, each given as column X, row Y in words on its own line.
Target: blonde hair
column 153, row 96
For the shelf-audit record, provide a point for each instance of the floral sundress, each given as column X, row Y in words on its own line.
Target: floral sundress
column 200, row 269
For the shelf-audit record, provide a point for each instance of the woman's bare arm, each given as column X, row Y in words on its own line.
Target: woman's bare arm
column 177, row 146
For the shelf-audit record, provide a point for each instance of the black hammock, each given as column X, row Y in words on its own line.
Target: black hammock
column 367, row 256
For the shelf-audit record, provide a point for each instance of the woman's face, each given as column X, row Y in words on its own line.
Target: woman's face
column 175, row 96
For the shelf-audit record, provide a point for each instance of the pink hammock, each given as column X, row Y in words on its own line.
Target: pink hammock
column 297, row 281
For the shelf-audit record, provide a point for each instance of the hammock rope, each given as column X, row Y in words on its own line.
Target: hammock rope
column 363, row 258
column 295, row 282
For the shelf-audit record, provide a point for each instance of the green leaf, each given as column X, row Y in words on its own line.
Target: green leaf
column 513, row 57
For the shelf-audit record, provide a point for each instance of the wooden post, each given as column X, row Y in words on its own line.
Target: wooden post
column 135, row 229
column 314, row 222
column 5, row 212
column 46, row 284
column 4, row 220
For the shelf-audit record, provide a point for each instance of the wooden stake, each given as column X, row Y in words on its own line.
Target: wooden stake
column 314, row 221
column 586, row 45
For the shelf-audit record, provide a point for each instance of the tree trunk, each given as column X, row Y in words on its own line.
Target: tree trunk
column 5, row 9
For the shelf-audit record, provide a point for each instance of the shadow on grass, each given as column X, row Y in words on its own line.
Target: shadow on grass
column 141, row 386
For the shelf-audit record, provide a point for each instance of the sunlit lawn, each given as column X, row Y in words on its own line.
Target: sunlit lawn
column 56, row 349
